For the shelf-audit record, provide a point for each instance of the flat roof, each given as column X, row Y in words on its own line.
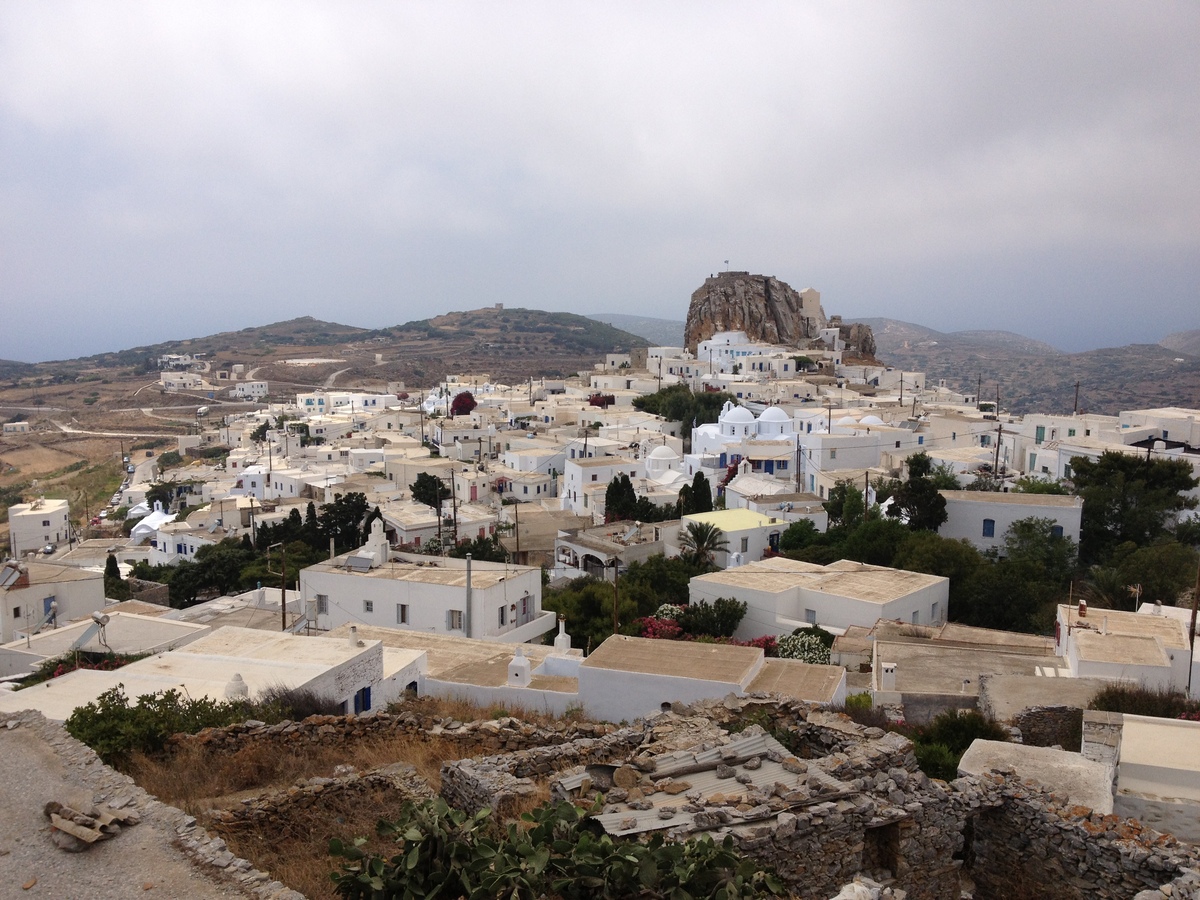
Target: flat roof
column 1164, row 744
column 452, row 658
column 1062, row 501
column 845, row 578
column 1123, row 649
column 734, row 519
column 1170, row 630
column 125, row 633
column 683, row 659
column 202, row 668
column 816, row 684
column 930, row 667
column 432, row 573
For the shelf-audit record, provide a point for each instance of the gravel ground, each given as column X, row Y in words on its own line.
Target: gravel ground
column 164, row 856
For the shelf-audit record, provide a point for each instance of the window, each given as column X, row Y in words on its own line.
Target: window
column 933, row 612
column 989, row 527
column 454, row 620
column 593, row 478
column 1070, row 432
column 45, row 523
column 833, row 453
column 897, row 445
column 1056, row 531
column 1039, row 434
column 401, row 613
column 322, row 604
column 503, row 616
column 16, row 612
column 368, row 606
column 916, row 617
column 745, row 544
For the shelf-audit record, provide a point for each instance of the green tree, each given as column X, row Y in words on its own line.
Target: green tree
column 798, row 535
column 932, row 554
column 1128, row 498
column 115, row 587
column 1031, row 485
column 620, row 500
column 917, row 500
column 702, row 498
column 702, row 541
column 1163, row 571
column 430, row 490
column 845, row 505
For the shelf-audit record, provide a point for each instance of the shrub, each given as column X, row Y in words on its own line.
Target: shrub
column 718, row 619
column 805, row 646
column 937, row 761
column 1141, row 701
column 669, row 611
column 449, row 853
column 116, row 729
column 956, row 729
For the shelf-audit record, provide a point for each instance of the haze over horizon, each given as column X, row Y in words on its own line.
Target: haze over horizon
column 173, row 171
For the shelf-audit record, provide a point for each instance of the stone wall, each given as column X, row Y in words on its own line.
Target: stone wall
column 499, row 781
column 1027, row 844
column 1050, row 726
column 487, row 736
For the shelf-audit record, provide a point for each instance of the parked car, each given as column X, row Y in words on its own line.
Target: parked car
column 149, row 452
column 129, row 469
column 48, row 549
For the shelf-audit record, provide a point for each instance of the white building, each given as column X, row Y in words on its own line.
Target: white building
column 1115, row 645
column 249, row 390
column 372, row 586
column 31, row 526
column 984, row 517
column 233, row 662
column 748, row 535
column 38, row 595
column 782, row 594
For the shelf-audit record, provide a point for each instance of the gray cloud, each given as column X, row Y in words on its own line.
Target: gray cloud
column 167, row 170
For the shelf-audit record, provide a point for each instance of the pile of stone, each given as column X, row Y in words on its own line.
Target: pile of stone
column 75, row 830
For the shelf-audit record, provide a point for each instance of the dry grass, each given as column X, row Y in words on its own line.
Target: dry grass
column 195, row 779
column 297, row 853
column 466, row 711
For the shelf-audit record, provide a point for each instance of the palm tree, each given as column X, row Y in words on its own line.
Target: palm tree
column 701, row 541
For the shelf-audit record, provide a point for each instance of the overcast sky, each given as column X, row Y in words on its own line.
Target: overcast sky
column 170, row 170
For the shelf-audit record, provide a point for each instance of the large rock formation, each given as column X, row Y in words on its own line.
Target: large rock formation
column 767, row 310
column 764, row 307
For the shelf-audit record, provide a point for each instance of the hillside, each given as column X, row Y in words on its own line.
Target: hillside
column 119, row 390
column 1183, row 342
column 659, row 332
column 1036, row 377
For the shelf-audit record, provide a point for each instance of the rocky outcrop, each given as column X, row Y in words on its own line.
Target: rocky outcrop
column 764, row 307
column 859, row 339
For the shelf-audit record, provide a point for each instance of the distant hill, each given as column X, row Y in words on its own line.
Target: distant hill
column 893, row 334
column 659, row 332
column 1036, row 377
column 1183, row 342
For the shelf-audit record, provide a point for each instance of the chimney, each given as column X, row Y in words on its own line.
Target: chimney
column 354, row 636
column 562, row 641
column 1082, row 608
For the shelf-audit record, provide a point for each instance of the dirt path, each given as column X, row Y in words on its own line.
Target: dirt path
column 144, row 860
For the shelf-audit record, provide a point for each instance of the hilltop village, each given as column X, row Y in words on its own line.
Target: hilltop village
column 764, row 526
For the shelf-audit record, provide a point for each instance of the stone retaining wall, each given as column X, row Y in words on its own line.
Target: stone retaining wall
column 1050, row 726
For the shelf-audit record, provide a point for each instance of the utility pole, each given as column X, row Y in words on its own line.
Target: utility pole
column 616, row 594
column 282, row 584
column 979, row 391
column 901, row 387
column 1192, row 633
column 1077, row 398
column 999, row 434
